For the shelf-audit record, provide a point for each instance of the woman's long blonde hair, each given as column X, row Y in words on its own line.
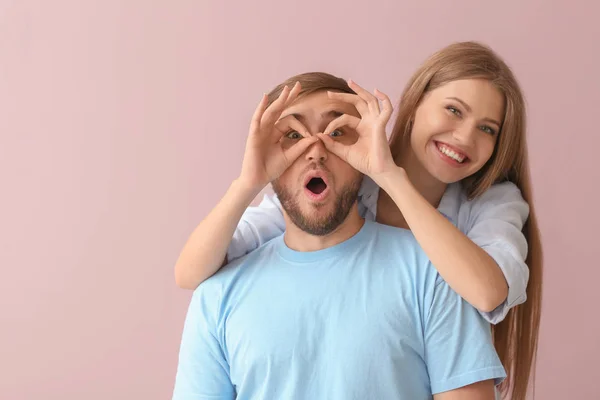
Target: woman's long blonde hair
column 516, row 337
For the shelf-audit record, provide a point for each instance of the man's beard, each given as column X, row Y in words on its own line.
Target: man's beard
column 322, row 225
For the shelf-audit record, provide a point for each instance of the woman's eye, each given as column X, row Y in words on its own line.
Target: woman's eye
column 293, row 135
column 487, row 129
column 453, row 110
column 336, row 133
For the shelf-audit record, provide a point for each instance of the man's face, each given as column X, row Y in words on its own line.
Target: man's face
column 319, row 189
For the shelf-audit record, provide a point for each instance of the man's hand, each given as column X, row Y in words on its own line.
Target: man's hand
column 265, row 159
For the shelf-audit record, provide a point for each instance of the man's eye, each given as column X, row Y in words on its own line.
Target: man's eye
column 293, row 135
column 336, row 133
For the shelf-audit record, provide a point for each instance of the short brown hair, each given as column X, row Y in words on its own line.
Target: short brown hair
column 312, row 82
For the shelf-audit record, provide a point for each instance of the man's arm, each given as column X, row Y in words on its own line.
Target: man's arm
column 483, row 390
column 460, row 355
column 203, row 371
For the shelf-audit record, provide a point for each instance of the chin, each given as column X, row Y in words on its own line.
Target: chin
column 446, row 177
column 311, row 208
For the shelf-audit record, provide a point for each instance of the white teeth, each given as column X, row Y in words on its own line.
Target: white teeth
column 450, row 153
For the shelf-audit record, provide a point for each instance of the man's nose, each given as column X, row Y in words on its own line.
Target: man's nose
column 317, row 152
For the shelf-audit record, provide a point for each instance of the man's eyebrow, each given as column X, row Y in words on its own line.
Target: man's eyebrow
column 465, row 105
column 332, row 114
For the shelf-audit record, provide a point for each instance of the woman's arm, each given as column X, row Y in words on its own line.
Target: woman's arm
column 494, row 221
column 264, row 161
column 206, row 249
column 466, row 267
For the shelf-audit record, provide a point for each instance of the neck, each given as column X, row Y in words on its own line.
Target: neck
column 297, row 239
column 428, row 186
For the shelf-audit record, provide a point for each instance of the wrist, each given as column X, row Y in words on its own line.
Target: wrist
column 245, row 189
column 391, row 179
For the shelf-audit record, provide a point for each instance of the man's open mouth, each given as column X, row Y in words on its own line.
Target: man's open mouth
column 316, row 185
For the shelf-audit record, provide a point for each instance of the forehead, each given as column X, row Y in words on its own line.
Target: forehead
column 478, row 93
column 318, row 106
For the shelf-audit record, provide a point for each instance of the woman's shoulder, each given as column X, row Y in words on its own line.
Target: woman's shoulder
column 501, row 200
column 497, row 194
column 368, row 195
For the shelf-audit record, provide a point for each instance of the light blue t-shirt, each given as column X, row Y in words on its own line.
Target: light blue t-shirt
column 493, row 221
column 369, row 318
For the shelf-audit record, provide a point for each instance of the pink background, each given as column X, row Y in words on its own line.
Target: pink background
column 122, row 123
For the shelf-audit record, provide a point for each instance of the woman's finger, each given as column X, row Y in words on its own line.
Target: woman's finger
column 274, row 111
column 258, row 113
column 286, row 125
column 295, row 151
column 334, row 147
column 386, row 105
column 371, row 100
column 293, row 94
column 349, row 121
column 358, row 103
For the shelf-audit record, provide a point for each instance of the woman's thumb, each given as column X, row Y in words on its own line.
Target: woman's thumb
column 333, row 146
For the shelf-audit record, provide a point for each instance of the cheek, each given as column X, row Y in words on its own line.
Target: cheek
column 287, row 143
column 429, row 124
column 348, row 139
column 344, row 175
column 486, row 147
column 288, row 178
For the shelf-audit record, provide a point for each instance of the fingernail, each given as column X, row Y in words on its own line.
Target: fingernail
column 350, row 81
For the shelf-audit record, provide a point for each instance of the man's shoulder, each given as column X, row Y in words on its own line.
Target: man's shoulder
column 398, row 239
column 388, row 229
column 244, row 264
column 401, row 245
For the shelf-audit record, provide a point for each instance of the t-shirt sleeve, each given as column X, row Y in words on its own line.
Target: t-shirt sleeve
column 458, row 343
column 496, row 222
column 203, row 371
column 257, row 226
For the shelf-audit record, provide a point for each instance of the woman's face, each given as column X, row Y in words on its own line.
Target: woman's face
column 455, row 128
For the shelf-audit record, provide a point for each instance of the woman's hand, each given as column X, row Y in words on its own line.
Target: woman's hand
column 370, row 154
column 265, row 159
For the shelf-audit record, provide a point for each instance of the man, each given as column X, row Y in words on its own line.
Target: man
column 337, row 307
